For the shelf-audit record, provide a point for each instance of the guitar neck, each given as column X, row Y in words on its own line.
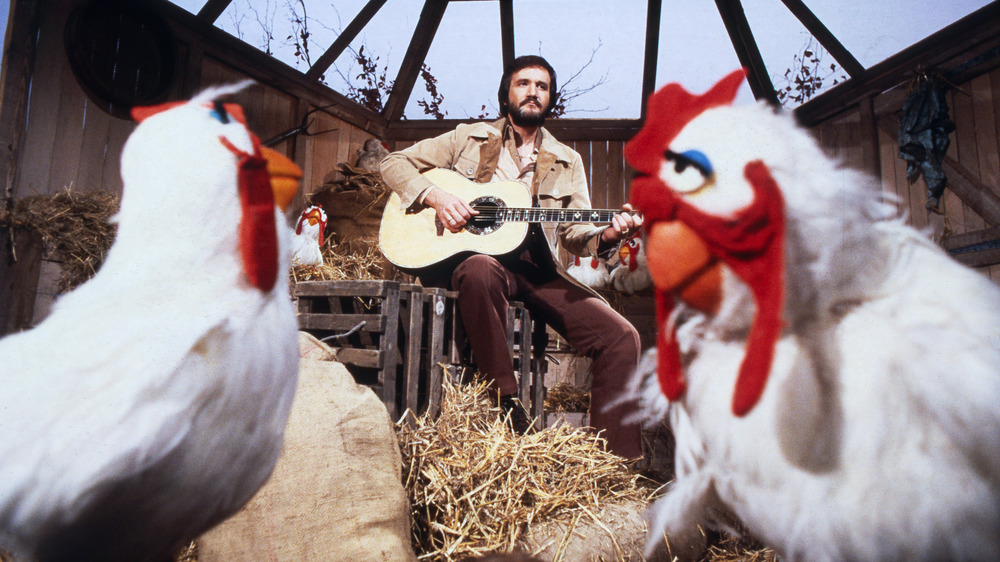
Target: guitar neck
column 537, row 214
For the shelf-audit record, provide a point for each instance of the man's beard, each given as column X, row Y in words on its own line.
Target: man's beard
column 520, row 117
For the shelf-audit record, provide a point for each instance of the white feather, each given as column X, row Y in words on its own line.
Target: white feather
column 878, row 434
column 151, row 403
column 592, row 272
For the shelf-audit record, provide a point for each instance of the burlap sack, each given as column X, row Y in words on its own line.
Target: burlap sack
column 336, row 493
column 353, row 204
column 620, row 536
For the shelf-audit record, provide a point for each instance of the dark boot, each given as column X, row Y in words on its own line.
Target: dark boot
column 517, row 417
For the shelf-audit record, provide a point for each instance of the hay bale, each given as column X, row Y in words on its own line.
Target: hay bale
column 476, row 488
column 353, row 203
column 75, row 228
column 336, row 492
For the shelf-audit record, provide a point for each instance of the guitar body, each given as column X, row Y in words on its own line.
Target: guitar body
column 417, row 240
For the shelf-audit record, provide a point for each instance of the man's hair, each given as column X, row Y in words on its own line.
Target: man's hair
column 520, row 63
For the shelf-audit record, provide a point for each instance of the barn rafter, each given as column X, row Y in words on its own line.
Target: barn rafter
column 862, row 80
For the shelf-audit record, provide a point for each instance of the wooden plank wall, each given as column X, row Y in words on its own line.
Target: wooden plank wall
column 975, row 109
column 271, row 112
column 70, row 143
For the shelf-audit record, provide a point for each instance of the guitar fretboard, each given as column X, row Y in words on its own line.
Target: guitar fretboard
column 536, row 214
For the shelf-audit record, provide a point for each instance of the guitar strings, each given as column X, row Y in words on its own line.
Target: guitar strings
column 550, row 215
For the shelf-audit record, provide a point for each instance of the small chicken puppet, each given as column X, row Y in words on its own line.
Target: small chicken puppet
column 632, row 274
column 309, row 236
column 151, row 403
column 592, row 272
column 833, row 376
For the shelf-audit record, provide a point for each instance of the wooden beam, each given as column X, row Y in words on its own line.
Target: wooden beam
column 330, row 56
column 653, row 10
column 423, row 35
column 976, row 32
column 266, row 69
column 825, row 37
column 507, row 31
column 971, row 238
column 19, row 52
column 961, row 181
column 981, row 258
column 213, row 9
column 743, row 41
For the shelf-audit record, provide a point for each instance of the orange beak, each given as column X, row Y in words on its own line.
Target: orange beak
column 285, row 176
column 623, row 253
column 679, row 262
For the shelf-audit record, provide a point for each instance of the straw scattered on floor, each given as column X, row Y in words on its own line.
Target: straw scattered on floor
column 475, row 487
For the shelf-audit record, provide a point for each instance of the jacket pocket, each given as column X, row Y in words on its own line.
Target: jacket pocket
column 467, row 166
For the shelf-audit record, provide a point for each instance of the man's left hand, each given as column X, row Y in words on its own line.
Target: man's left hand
column 622, row 225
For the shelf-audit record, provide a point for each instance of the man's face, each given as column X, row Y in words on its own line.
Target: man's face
column 529, row 96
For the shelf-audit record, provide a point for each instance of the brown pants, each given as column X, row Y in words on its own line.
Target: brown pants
column 485, row 286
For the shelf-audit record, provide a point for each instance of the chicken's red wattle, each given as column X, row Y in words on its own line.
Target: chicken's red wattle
column 258, row 235
column 750, row 243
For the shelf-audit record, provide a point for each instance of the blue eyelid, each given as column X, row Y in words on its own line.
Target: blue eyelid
column 700, row 161
column 219, row 113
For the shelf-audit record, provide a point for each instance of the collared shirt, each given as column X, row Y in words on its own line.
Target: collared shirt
column 511, row 166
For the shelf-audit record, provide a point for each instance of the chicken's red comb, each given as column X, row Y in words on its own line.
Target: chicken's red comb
column 668, row 111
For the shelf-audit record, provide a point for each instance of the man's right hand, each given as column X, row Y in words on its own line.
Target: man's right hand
column 452, row 212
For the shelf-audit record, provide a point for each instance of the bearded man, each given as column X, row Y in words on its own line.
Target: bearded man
column 517, row 147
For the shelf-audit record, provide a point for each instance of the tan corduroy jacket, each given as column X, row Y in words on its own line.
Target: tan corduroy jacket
column 473, row 151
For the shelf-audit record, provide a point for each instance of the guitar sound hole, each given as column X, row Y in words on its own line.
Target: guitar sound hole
column 490, row 216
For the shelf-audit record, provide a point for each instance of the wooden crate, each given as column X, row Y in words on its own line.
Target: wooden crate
column 526, row 343
column 400, row 339
column 393, row 337
column 360, row 321
column 428, row 333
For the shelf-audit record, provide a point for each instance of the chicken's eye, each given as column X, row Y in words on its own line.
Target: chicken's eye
column 687, row 171
column 219, row 113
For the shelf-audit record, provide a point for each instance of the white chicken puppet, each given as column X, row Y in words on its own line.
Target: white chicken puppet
column 592, row 272
column 309, row 235
column 632, row 273
column 836, row 390
column 151, row 403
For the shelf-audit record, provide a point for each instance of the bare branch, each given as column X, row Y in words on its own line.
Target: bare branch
column 569, row 92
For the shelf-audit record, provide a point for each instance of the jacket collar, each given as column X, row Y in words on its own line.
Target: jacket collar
column 558, row 151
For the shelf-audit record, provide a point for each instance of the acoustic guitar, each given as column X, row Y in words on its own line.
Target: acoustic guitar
column 415, row 240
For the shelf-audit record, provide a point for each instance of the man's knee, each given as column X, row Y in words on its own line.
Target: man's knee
column 478, row 273
column 627, row 346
